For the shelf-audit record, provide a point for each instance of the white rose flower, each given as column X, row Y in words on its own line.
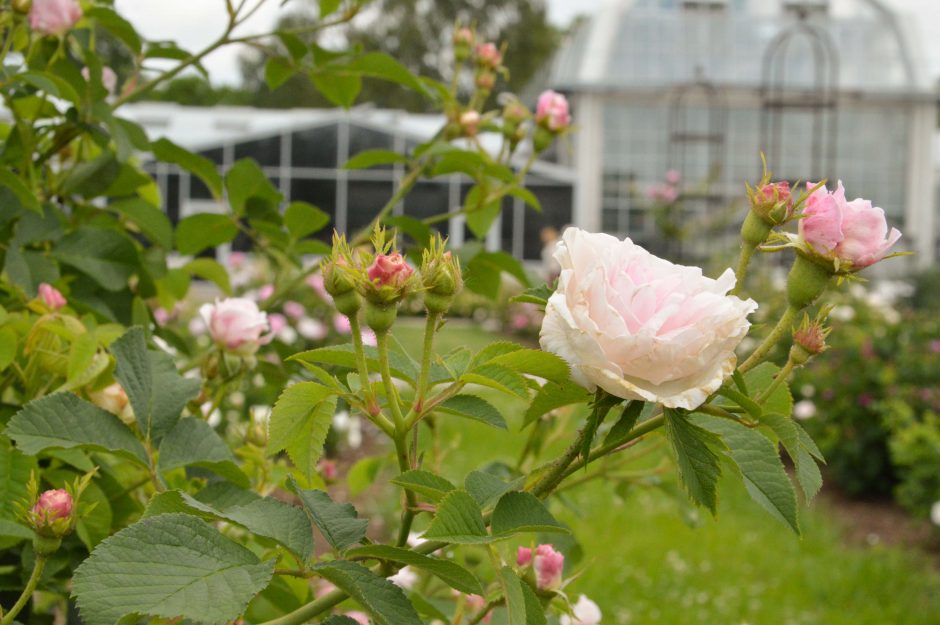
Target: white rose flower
column 641, row 327
column 236, row 324
column 586, row 612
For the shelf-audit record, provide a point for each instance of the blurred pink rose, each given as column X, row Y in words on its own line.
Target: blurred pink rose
column 548, row 564
column 316, row 283
column 312, row 329
column 341, row 323
column 585, row 612
column 853, row 233
column 389, row 270
column 328, row 469
column 489, row 55
column 54, row 17
column 51, row 296
column 477, row 603
column 470, row 123
column 265, row 292
column 673, row 177
column 552, row 111
column 639, row 326
column 236, row 324
column 294, row 310
column 236, row 260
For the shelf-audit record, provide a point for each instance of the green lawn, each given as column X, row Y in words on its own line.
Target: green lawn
column 645, row 564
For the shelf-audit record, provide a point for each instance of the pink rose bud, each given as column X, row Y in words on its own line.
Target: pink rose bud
column 488, row 55
column 51, row 296
column 54, row 17
column 552, row 111
column 463, row 37
column 389, row 270
column 470, row 123
column 852, row 234
column 547, row 562
column 294, row 310
column 51, row 515
column 236, row 324
column 328, row 470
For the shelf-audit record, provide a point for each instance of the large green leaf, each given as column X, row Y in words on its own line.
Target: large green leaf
column 151, row 220
column 15, row 469
column 535, row 362
column 263, row 516
column 106, row 256
column 449, row 572
column 338, row 522
column 299, row 423
column 372, row 158
column 63, row 420
column 485, row 487
column 302, row 219
column 698, row 464
column 249, row 188
column 518, row 511
column 498, row 377
column 789, row 433
column 430, row 485
column 193, row 442
column 168, row 152
column 458, row 520
column 157, row 392
column 757, row 458
column 169, row 566
column 381, row 598
column 552, row 396
column 203, row 230
column 473, row 407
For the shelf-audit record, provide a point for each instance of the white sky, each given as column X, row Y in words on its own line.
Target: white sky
column 194, row 23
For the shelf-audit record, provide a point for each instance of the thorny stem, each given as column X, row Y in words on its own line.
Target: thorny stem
column 782, row 376
column 783, row 327
column 744, row 259
column 377, row 417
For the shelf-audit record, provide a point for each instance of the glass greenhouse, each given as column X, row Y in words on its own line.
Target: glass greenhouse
column 303, row 152
column 694, row 90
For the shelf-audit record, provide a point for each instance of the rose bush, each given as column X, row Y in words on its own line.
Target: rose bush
column 639, row 326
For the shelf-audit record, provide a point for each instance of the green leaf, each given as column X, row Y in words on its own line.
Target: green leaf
column 248, row 187
column 302, row 219
column 278, row 71
column 498, row 377
column 8, row 346
column 626, row 422
column 536, row 295
column 338, row 522
column 15, row 469
column 526, row 196
column 458, row 520
column 106, row 256
column 339, row 88
column 169, row 566
column 117, row 26
column 299, row 423
column 168, row 152
column 450, row 573
column 372, row 158
column 264, row 516
column 787, row 430
column 64, row 421
column 419, row 232
column 401, row 366
column 193, row 442
column 203, row 230
column 23, row 194
column 473, row 407
column 362, row 474
column 485, row 488
column 385, row 67
column 551, row 396
column 535, row 362
column 381, row 598
column 329, row 6
column 429, row 485
column 152, row 221
column 519, row 511
column 210, row 269
column 515, row 598
column 483, row 274
column 698, row 464
column 156, row 390
column 534, row 612
column 759, row 462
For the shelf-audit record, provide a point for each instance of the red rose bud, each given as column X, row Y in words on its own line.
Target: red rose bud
column 488, row 55
column 51, row 515
column 389, row 270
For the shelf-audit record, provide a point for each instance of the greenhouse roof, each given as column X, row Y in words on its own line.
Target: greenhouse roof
column 660, row 43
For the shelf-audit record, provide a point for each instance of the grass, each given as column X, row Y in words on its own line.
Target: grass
column 645, row 564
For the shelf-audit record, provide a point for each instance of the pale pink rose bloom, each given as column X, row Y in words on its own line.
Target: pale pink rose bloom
column 586, row 612
column 294, row 310
column 108, row 78
column 316, row 283
column 552, row 111
column 277, row 322
column 470, row 123
column 639, row 326
column 368, row 337
column 673, row 177
column 53, row 505
column 389, row 270
column 312, row 329
column 54, row 17
column 548, row 564
column 51, row 296
column 236, row 324
column 519, row 321
column 360, row 617
column 856, row 231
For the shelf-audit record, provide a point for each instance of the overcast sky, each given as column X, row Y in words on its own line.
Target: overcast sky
column 194, row 23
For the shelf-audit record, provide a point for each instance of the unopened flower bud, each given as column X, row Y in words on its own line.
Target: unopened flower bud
column 463, row 43
column 806, row 281
column 485, row 80
column 809, row 339
column 552, row 111
column 440, row 276
column 328, row 470
column 488, row 55
column 51, row 297
column 771, row 201
column 339, row 278
column 547, row 563
column 51, row 516
column 54, row 17
column 389, row 270
column 470, row 123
